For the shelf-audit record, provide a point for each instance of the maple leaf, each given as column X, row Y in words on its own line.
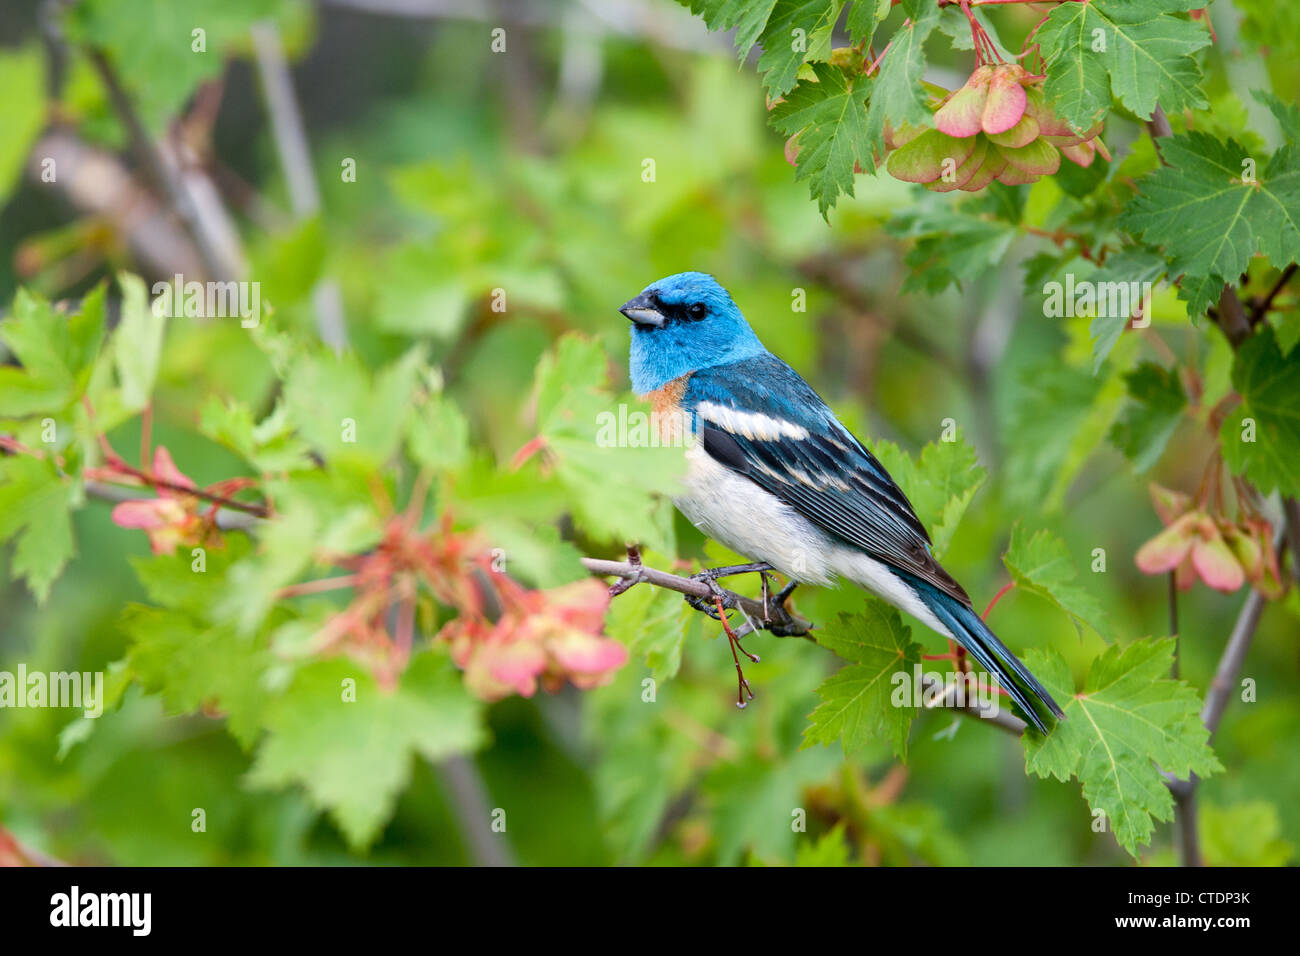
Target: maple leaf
column 1269, row 452
column 940, row 483
column 856, row 706
column 1211, row 216
column 1150, row 419
column 897, row 96
column 830, row 116
column 1041, row 564
column 1130, row 720
column 353, row 751
column 35, row 505
column 1133, row 51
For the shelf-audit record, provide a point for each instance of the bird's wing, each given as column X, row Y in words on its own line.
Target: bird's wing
column 762, row 420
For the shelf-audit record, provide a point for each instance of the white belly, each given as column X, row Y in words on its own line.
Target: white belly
column 735, row 512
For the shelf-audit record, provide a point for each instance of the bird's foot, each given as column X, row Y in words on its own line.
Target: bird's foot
column 709, row 577
column 742, row 685
column 776, row 616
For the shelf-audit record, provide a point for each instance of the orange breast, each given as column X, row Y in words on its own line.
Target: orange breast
column 665, row 405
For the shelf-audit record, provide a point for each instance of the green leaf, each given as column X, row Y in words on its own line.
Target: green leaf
column 1129, row 722
column 1132, row 264
column 1211, row 222
column 161, row 66
column 1133, row 51
column 353, row 756
column 830, row 116
column 195, row 664
column 864, row 16
column 617, row 477
column 857, row 701
column 1059, row 417
column 747, row 17
column 1041, row 564
column 940, row 485
column 798, row 30
column 1148, row 422
column 57, row 353
column 953, row 242
column 437, row 435
column 831, row 850
column 137, row 343
column 35, row 506
column 752, row 801
column 652, row 622
column 344, row 412
column 270, row 445
column 896, row 94
column 1266, row 382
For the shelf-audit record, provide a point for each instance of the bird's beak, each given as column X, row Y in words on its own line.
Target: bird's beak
column 641, row 310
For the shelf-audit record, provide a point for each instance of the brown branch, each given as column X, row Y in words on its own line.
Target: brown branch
column 160, row 170
column 1260, row 307
column 762, row 616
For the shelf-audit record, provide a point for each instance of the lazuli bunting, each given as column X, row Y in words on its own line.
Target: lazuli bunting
column 774, row 476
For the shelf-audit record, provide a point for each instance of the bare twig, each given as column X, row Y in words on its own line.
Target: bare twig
column 295, row 161
column 763, row 617
column 1260, row 307
column 469, row 798
column 161, row 171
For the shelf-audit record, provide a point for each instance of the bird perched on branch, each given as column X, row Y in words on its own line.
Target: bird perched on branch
column 774, row 476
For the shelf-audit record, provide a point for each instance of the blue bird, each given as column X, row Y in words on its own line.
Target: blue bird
column 774, row 476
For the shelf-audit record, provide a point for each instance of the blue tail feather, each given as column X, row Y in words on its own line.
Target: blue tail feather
column 972, row 633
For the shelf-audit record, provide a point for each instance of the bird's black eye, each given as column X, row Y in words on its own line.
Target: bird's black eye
column 697, row 310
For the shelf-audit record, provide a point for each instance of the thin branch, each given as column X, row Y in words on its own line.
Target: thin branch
column 295, row 161
column 160, row 170
column 1234, row 655
column 1260, row 308
column 226, row 521
column 763, row 617
column 1232, row 317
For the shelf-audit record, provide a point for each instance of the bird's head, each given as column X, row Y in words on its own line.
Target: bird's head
column 684, row 323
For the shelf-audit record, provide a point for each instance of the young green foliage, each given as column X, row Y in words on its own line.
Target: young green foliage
column 1261, row 438
column 1149, row 420
column 1128, row 722
column 857, row 707
column 940, row 484
column 1214, row 207
column 1132, row 51
column 350, row 743
column 1041, row 564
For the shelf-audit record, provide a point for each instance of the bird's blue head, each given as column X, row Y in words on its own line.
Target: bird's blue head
column 682, row 324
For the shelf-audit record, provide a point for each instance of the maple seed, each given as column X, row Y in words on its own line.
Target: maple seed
column 962, row 115
column 1006, row 99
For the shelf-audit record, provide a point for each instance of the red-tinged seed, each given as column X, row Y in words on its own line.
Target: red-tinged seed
column 993, row 165
column 1039, row 158
column 1022, row 134
column 922, row 160
column 1005, row 104
column 960, row 116
column 1081, row 154
column 963, row 173
column 1012, row 176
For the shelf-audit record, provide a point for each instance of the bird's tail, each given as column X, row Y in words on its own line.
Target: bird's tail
column 969, row 630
